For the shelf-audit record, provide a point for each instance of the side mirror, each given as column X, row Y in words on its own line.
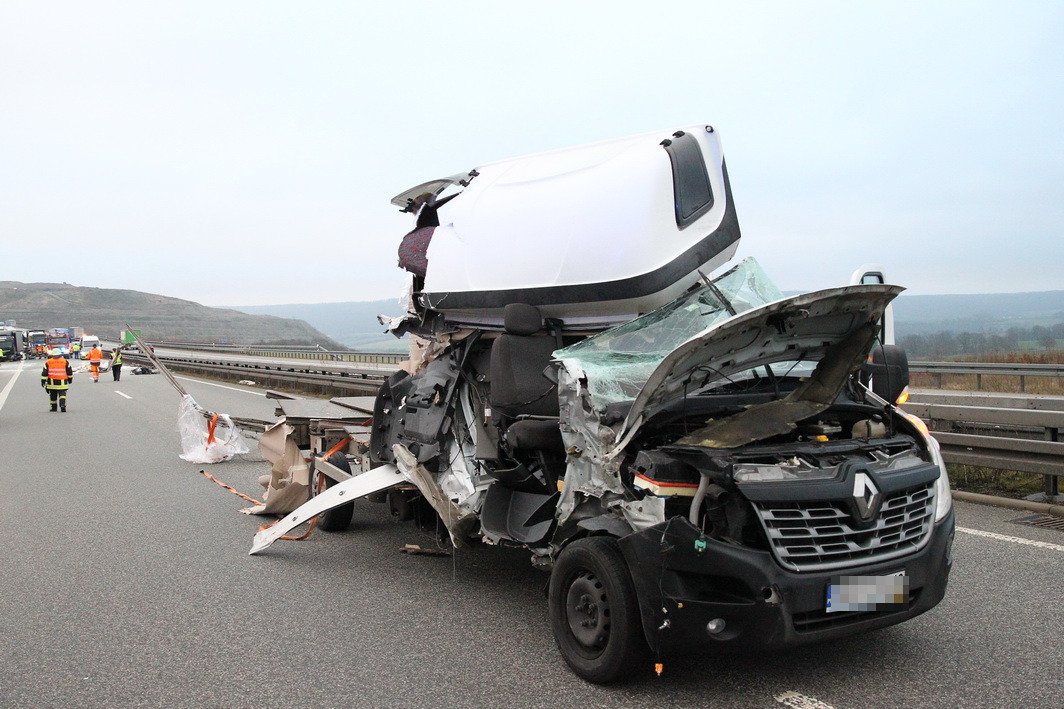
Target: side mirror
column 887, row 374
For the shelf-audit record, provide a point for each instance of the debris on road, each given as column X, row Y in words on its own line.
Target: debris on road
column 206, row 440
column 417, row 549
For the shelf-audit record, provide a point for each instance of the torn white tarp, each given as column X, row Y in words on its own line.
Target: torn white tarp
column 206, row 437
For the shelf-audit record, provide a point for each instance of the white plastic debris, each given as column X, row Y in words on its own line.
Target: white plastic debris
column 207, row 439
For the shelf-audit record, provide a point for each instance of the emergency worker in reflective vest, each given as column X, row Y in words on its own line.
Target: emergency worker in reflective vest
column 95, row 355
column 55, row 378
column 116, row 363
column 75, row 349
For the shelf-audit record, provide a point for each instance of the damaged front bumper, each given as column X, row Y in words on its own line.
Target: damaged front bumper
column 684, row 581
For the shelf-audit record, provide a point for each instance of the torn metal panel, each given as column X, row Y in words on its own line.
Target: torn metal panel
column 459, row 524
column 590, row 471
column 289, row 482
column 644, row 513
column 375, row 480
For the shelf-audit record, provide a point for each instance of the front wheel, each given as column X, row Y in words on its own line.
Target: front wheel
column 594, row 613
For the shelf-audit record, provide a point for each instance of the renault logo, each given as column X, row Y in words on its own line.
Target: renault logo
column 865, row 496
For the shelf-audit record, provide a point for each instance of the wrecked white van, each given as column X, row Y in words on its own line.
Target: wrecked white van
column 697, row 461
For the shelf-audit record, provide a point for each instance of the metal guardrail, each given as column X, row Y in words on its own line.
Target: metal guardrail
column 999, row 431
column 938, row 371
column 308, row 352
column 351, row 379
column 316, row 352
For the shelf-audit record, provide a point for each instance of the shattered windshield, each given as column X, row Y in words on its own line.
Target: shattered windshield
column 618, row 362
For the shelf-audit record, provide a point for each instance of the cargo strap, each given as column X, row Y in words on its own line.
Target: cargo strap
column 320, row 484
column 249, row 498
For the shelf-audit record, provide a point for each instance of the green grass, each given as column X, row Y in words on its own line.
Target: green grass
column 988, row 481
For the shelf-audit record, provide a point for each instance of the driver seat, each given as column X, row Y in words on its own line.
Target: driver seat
column 518, row 387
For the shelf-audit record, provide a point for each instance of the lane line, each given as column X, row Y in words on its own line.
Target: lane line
column 11, row 383
column 221, row 386
column 800, row 701
column 1014, row 540
column 121, row 394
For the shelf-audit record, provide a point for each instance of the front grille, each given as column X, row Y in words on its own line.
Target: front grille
column 817, row 536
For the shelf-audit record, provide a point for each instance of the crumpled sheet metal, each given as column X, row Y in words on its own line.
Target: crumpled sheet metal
column 812, row 397
column 591, row 467
column 289, row 484
column 424, row 351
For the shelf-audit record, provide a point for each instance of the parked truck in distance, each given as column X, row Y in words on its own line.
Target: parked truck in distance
column 36, row 344
column 58, row 338
column 12, row 344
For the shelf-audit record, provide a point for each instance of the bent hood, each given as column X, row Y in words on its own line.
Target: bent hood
column 805, row 327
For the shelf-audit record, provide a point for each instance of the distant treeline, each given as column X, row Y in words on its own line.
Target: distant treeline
column 949, row 344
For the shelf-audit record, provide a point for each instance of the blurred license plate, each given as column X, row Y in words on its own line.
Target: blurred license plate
column 867, row 593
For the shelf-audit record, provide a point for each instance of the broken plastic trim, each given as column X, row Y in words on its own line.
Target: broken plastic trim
column 692, row 192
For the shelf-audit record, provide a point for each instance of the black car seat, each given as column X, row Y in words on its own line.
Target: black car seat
column 518, row 385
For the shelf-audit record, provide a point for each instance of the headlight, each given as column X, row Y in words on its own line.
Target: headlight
column 943, row 496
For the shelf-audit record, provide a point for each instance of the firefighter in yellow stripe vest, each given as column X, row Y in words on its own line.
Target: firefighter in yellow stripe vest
column 55, row 378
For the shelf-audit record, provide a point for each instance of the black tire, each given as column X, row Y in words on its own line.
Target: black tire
column 338, row 518
column 594, row 613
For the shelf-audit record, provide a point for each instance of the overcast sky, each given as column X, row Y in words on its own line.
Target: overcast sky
column 245, row 153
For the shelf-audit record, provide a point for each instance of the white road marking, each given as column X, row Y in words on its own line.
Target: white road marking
column 121, row 394
column 222, row 386
column 800, row 701
column 11, row 383
column 1014, row 540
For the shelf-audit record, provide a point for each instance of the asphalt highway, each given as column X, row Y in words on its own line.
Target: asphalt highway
column 126, row 582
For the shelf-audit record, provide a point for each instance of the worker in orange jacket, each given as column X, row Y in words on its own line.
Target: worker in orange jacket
column 55, row 378
column 95, row 355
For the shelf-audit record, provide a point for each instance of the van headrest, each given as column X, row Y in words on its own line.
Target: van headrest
column 522, row 319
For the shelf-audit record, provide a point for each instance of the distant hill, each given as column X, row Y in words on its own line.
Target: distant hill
column 105, row 311
column 355, row 323
column 979, row 312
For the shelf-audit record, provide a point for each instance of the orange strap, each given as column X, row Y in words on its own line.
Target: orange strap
column 230, row 488
column 337, row 448
column 213, row 424
column 287, row 537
